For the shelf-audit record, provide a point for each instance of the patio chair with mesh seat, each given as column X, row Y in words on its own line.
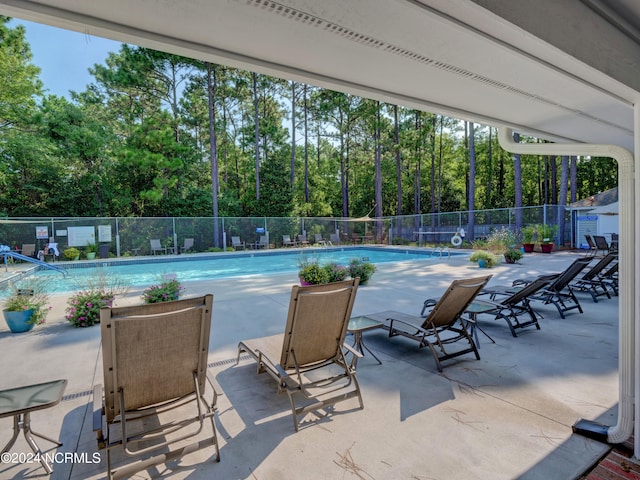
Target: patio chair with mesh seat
column 302, row 241
column 287, row 242
column 236, row 243
column 318, row 240
column 444, row 324
column 156, row 246
column 307, row 361
column 509, row 303
column 592, row 245
column 601, row 244
column 187, row 245
column 155, row 362
column 591, row 282
column 559, row 292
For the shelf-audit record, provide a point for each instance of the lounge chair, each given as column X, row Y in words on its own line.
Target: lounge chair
column 318, row 240
column 515, row 303
column 334, row 239
column 236, row 243
column 302, row 240
column 307, row 360
column 287, row 242
column 157, row 247
column 444, row 324
column 559, row 292
column 592, row 245
column 591, row 282
column 610, row 278
column 154, row 360
column 188, row 245
column 601, row 244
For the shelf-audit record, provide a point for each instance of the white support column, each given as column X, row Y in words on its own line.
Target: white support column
column 636, row 363
column 629, row 273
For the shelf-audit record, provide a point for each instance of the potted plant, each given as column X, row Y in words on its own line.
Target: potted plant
column 360, row 268
column 546, row 234
column 483, row 258
column 512, row 255
column 335, row 272
column 71, row 253
column 26, row 305
column 312, row 273
column 90, row 250
column 529, row 234
column 167, row 290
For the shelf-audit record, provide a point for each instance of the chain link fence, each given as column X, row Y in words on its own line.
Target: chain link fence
column 123, row 236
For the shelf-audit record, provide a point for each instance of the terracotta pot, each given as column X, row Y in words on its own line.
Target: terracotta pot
column 528, row 247
column 546, row 247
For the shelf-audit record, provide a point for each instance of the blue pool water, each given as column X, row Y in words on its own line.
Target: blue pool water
column 145, row 272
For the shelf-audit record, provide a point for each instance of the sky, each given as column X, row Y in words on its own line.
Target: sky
column 64, row 57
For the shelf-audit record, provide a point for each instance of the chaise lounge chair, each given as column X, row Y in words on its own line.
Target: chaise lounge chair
column 515, row 302
column 307, row 360
column 154, row 361
column 592, row 282
column 302, row 241
column 318, row 240
column 559, row 292
column 444, row 324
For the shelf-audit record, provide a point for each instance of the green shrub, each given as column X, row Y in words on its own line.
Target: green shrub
column 71, row 253
column 488, row 257
column 313, row 273
column 336, row 272
column 513, row 255
column 167, row 290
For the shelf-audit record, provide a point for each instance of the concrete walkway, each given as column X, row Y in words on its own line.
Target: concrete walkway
column 506, row 416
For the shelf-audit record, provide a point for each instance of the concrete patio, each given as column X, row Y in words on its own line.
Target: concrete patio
column 506, row 416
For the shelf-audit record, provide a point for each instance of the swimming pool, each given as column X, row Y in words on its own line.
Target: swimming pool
column 145, row 272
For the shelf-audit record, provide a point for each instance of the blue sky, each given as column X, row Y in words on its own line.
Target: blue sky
column 64, row 57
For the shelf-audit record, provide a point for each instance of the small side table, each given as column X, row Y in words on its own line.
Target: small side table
column 357, row 325
column 473, row 310
column 20, row 402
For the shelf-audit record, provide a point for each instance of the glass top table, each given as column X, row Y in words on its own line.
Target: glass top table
column 360, row 324
column 19, row 402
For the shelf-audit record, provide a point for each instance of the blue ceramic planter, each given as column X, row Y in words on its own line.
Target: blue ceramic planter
column 18, row 321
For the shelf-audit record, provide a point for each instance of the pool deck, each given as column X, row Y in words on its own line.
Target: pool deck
column 506, row 416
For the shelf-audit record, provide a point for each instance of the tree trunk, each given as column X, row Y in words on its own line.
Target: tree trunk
column 398, row 158
column 517, row 183
column 564, row 180
column 472, row 182
column 292, row 176
column 256, row 117
column 213, row 150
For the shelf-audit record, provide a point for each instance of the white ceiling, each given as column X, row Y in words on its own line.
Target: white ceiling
column 560, row 70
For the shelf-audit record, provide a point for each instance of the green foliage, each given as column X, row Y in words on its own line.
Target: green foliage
column 136, row 143
column 359, row 268
column 91, row 248
column 167, row 290
column 29, row 294
column 488, row 257
column 335, row 272
column 512, row 255
column 529, row 233
column 313, row 273
column 547, row 233
column 71, row 253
